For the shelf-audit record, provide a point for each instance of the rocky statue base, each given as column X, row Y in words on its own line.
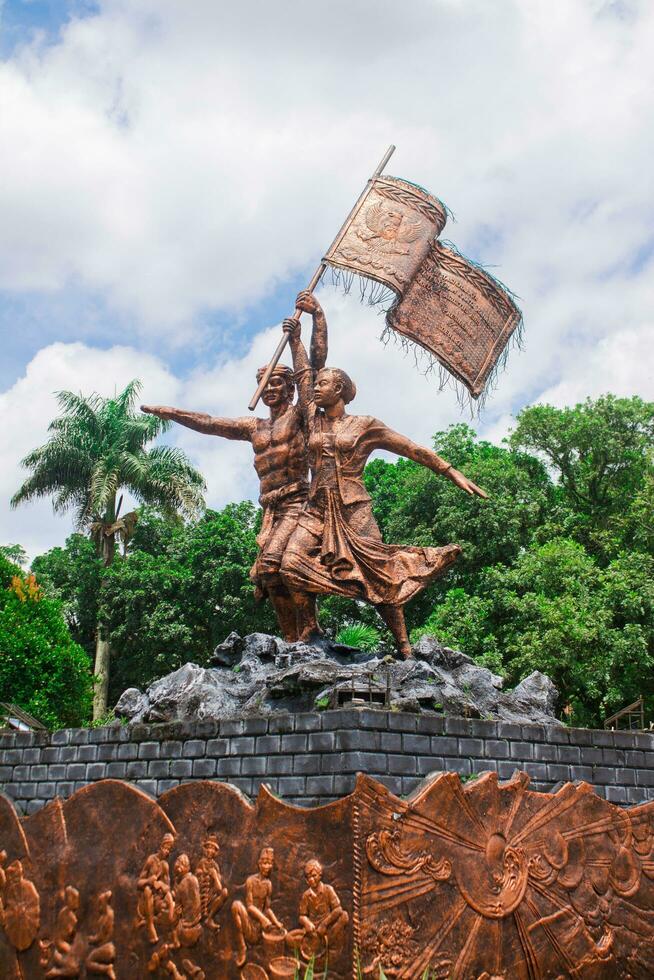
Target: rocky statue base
column 261, row 674
column 480, row 881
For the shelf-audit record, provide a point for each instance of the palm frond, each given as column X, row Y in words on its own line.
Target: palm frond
column 126, row 399
column 97, row 446
column 83, row 409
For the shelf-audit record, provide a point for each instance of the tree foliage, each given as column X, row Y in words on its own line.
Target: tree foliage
column 41, row 668
column 97, row 447
column 180, row 591
column 601, row 452
column 97, row 450
column 73, row 576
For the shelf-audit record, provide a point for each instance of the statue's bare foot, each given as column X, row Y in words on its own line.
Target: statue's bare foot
column 406, row 651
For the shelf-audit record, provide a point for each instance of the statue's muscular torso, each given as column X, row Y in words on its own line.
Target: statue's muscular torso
column 280, row 453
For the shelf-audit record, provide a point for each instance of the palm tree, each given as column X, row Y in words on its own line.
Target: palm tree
column 96, row 450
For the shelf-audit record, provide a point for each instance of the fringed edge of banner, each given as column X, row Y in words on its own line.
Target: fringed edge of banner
column 371, row 292
column 428, row 364
column 383, row 298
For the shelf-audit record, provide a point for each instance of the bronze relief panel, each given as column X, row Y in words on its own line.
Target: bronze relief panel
column 465, row 882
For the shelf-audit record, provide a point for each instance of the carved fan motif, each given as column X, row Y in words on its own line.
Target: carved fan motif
column 529, row 885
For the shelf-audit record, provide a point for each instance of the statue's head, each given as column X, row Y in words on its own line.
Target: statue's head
column 391, row 220
column 71, row 898
column 182, row 865
column 332, row 384
column 266, row 861
column 210, row 846
column 166, row 845
column 280, row 388
column 15, row 871
column 103, row 900
column 313, row 873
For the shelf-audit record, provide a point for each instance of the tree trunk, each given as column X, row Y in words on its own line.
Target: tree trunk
column 101, row 688
column 102, row 646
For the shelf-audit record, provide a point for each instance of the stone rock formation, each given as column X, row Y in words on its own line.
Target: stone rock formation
column 261, row 674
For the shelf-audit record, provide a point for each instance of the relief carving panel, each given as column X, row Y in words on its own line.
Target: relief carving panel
column 480, row 881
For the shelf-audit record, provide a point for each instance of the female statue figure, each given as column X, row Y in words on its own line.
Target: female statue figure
column 337, row 546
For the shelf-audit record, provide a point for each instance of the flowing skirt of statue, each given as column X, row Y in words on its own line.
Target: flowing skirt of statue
column 337, row 549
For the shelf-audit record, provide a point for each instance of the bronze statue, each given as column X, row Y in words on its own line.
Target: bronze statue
column 280, row 459
column 322, row 538
column 213, row 893
column 101, row 958
column 188, row 904
column 19, row 906
column 336, row 547
column 65, row 961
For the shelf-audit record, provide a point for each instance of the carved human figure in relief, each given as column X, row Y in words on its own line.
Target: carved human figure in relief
column 161, row 960
column 101, row 958
column 188, row 905
column 65, row 961
column 256, row 914
column 321, row 913
column 213, row 893
column 280, row 459
column 154, row 887
column 20, row 909
column 336, row 547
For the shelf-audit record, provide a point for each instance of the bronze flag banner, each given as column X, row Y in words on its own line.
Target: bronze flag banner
column 445, row 303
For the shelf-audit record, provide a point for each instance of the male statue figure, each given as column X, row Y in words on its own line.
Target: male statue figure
column 321, row 914
column 281, row 462
column 156, row 895
column 255, row 914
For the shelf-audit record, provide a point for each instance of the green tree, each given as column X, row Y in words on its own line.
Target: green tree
column 181, row 590
column 73, row 575
column 417, row 507
column 601, row 451
column 96, row 450
column 591, row 629
column 41, row 669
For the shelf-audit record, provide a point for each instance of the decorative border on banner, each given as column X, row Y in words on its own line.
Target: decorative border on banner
column 396, row 189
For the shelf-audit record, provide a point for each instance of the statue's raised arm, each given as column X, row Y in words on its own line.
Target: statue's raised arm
column 306, row 366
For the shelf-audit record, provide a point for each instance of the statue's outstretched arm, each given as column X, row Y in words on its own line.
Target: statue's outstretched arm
column 209, row 424
column 395, row 442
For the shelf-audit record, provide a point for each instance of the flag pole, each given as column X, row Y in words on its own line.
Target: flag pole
column 317, row 276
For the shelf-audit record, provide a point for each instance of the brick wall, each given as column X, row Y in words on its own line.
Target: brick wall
column 312, row 758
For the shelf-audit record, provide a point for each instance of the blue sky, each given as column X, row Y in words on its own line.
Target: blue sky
column 175, row 171
column 23, row 19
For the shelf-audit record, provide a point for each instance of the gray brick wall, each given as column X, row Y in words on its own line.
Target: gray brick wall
column 312, row 758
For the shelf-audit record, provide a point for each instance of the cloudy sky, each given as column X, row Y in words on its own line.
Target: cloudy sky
column 171, row 172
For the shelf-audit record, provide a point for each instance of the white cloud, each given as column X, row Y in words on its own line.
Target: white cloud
column 188, row 157
column 184, row 158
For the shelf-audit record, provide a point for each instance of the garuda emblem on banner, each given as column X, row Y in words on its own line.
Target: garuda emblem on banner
column 446, row 304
